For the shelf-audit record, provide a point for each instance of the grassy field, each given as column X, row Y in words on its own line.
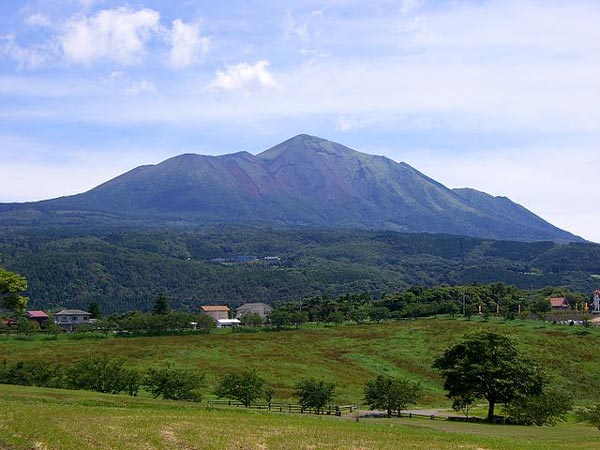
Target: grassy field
column 48, row 419
column 348, row 355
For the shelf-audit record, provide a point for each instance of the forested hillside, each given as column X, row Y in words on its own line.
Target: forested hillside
column 126, row 269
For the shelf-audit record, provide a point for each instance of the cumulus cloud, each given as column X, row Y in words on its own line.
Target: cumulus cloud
column 187, row 44
column 115, row 34
column 243, row 77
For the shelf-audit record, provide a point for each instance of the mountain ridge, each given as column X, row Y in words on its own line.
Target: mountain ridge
column 303, row 181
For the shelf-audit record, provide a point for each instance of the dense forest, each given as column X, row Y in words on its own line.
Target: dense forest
column 125, row 269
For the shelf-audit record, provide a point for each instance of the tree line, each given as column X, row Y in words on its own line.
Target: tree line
column 123, row 269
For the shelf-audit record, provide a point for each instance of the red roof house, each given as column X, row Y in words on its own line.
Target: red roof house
column 38, row 316
column 216, row 312
column 558, row 303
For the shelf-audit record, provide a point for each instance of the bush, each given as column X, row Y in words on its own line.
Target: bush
column 313, row 394
column 391, row 394
column 31, row 373
column 174, row 384
column 102, row 374
column 548, row 408
column 590, row 415
column 246, row 387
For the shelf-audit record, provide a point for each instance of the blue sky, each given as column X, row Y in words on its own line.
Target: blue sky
column 502, row 96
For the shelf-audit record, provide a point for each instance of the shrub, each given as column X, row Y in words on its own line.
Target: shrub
column 102, row 374
column 31, row 373
column 391, row 394
column 548, row 408
column 246, row 387
column 173, row 384
column 313, row 394
column 590, row 415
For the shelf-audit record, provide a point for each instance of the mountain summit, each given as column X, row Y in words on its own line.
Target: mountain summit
column 304, row 181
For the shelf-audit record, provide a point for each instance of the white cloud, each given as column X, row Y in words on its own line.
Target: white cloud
column 25, row 57
column 243, row 77
column 408, row 6
column 38, row 20
column 292, row 28
column 115, row 34
column 300, row 29
column 140, row 87
column 121, row 82
column 187, row 45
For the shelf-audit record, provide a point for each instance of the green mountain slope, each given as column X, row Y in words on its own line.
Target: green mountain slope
column 124, row 270
column 304, row 181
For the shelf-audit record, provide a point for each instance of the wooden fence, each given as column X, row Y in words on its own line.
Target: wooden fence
column 335, row 410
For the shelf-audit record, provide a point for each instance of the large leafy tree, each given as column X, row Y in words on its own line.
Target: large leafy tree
column 391, row 394
column 11, row 288
column 488, row 365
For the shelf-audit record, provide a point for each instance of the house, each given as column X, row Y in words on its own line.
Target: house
column 38, row 316
column 262, row 309
column 216, row 312
column 558, row 303
column 224, row 323
column 68, row 319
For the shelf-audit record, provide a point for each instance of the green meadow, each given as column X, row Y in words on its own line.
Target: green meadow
column 348, row 355
column 48, row 419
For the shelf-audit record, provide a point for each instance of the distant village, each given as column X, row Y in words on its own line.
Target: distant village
column 561, row 312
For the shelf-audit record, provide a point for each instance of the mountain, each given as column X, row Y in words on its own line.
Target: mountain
column 304, row 181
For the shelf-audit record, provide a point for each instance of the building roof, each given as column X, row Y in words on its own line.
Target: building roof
column 228, row 321
column 557, row 302
column 72, row 312
column 211, row 308
column 37, row 315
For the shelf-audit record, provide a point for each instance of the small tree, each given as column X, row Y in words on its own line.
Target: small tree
column 173, row 384
column 336, row 317
column 313, row 394
column 279, row 318
column 246, row 387
column 161, row 305
column 11, row 288
column 391, row 394
column 463, row 404
column 378, row 313
column 269, row 394
column 548, row 408
column 102, row 374
column 251, row 319
column 590, row 415
column 94, row 310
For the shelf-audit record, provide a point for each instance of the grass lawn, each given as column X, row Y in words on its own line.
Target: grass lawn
column 48, row 419
column 348, row 355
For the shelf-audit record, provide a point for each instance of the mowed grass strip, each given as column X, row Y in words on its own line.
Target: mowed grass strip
column 39, row 418
column 348, row 355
